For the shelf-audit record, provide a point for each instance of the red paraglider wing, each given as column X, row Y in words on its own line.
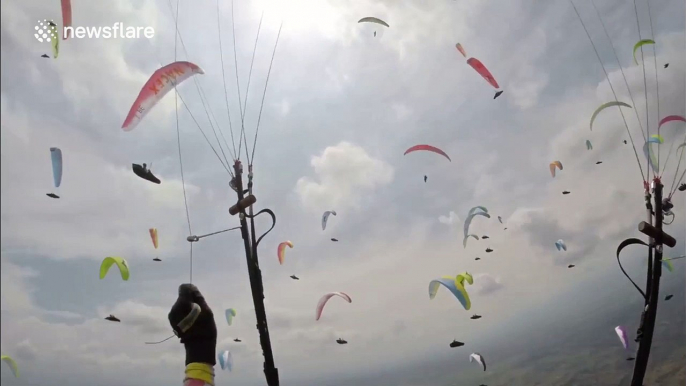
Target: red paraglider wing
column 427, row 148
column 483, row 71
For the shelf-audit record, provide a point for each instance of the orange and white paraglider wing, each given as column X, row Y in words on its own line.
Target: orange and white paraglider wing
column 483, row 71
column 153, row 236
column 281, row 250
column 554, row 164
column 159, row 84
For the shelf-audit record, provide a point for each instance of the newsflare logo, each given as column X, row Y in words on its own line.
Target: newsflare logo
column 46, row 31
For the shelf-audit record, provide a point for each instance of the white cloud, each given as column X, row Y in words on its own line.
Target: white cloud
column 346, row 173
column 486, row 284
column 451, row 219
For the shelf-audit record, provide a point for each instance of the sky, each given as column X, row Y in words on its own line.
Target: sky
column 340, row 109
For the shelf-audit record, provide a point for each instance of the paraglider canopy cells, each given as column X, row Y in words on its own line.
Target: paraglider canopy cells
column 112, row 318
column 341, row 341
column 456, row 343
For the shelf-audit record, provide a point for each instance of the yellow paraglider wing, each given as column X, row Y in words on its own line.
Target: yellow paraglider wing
column 121, row 263
column 12, row 364
column 603, row 107
column 640, row 44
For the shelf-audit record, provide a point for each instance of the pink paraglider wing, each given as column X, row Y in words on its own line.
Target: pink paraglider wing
column 427, row 148
column 325, row 298
column 670, row 119
column 66, row 17
column 156, row 88
column 483, row 71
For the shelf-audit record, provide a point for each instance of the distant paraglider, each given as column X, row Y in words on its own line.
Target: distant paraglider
column 230, row 314
column 56, row 158
column 571, row 266
column 237, row 340
column 489, row 250
column 12, row 364
column 341, row 341
column 430, row 148
column 324, row 299
column 603, row 107
column 335, row 240
column 225, row 360
column 45, row 56
column 475, row 317
column 295, row 277
column 121, row 264
column 455, row 285
column 560, row 245
column 112, row 318
column 373, row 20
column 325, row 217
column 668, row 297
column 565, row 192
column 479, row 359
column 589, row 146
column 281, row 250
column 666, row 65
column 456, row 343
column 554, row 164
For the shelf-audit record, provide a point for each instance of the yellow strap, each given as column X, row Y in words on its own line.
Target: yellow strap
column 201, row 371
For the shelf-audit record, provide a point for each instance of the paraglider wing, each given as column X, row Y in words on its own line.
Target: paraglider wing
column 56, row 156
column 55, row 40
column 640, row 44
column 621, row 333
column 649, row 153
column 453, row 285
column 225, row 360
column 553, row 165
column 325, row 217
column 12, row 364
column 373, row 20
column 281, row 250
column 500, row 219
column 671, row 118
column 121, row 264
column 459, row 48
column 667, row 264
column 464, row 241
column 153, row 236
column 483, row 71
column 589, row 146
column 230, row 314
column 427, row 148
column 560, row 244
column 478, row 358
column 160, row 83
column 603, row 107
column 325, row 298
column 66, row 17
column 468, row 221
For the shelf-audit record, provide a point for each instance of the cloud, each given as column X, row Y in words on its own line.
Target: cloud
column 346, row 173
column 26, row 351
column 487, row 284
column 450, row 220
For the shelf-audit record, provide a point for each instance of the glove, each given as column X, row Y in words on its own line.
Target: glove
column 197, row 330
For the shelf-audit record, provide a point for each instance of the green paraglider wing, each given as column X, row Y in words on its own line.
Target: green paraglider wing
column 120, row 262
column 603, row 107
column 640, row 44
